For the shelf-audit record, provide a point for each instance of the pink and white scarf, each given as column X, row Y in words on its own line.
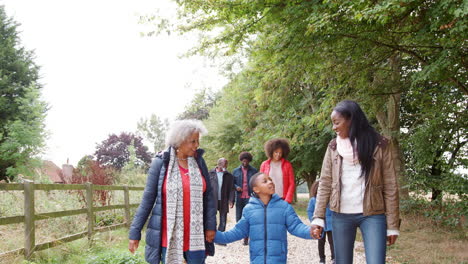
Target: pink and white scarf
column 345, row 149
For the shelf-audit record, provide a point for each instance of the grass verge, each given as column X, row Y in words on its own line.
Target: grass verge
column 107, row 248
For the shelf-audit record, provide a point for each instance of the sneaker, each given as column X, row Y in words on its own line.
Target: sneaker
column 322, row 261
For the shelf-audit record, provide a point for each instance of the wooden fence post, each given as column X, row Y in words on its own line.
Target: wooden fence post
column 127, row 206
column 29, row 226
column 89, row 206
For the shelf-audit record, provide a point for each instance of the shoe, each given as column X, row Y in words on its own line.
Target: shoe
column 333, row 261
column 322, row 261
column 246, row 241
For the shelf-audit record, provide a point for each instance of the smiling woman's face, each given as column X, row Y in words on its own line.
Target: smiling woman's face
column 277, row 154
column 340, row 124
column 190, row 145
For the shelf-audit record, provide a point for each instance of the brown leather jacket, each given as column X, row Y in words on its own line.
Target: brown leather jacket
column 381, row 192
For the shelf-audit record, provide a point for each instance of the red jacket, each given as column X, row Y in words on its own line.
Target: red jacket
column 289, row 185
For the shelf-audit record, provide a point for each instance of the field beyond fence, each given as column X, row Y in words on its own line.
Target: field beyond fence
column 90, row 194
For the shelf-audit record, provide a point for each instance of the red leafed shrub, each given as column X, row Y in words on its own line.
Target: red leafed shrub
column 91, row 171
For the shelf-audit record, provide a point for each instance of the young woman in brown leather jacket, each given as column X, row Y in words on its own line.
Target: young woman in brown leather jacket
column 359, row 182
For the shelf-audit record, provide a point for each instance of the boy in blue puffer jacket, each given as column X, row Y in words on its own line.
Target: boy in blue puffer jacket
column 265, row 219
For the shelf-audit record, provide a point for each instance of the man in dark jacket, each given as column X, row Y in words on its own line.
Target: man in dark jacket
column 242, row 175
column 223, row 191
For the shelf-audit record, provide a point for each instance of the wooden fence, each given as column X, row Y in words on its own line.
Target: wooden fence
column 30, row 215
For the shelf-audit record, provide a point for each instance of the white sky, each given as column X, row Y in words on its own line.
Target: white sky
column 99, row 75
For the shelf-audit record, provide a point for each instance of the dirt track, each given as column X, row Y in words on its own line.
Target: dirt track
column 300, row 251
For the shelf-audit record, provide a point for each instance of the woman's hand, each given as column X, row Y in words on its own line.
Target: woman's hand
column 391, row 240
column 210, row 235
column 316, row 231
column 133, row 245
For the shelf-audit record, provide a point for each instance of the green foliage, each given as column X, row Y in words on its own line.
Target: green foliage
column 116, row 258
column 199, row 107
column 22, row 113
column 404, row 61
column 107, row 218
column 153, row 130
column 449, row 213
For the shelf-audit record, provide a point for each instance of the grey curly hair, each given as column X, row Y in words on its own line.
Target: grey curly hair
column 182, row 129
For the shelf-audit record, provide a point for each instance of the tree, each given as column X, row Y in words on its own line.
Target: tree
column 313, row 54
column 154, row 131
column 22, row 113
column 114, row 151
column 199, row 107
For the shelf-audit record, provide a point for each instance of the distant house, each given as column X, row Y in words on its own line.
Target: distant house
column 57, row 174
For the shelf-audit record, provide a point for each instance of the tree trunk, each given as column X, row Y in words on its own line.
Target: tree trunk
column 310, row 178
column 390, row 124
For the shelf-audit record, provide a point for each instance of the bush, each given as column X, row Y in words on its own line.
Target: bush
column 449, row 213
column 116, row 258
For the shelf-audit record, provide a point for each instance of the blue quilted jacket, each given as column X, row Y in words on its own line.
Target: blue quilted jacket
column 328, row 215
column 267, row 227
column 151, row 203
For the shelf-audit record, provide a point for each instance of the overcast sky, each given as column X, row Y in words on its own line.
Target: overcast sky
column 99, row 75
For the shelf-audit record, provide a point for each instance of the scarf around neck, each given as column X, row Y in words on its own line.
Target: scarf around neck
column 345, row 149
column 175, row 210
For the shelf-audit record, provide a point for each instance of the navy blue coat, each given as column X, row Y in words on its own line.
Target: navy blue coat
column 239, row 177
column 152, row 203
column 267, row 227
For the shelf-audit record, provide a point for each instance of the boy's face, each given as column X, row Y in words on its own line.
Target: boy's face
column 264, row 185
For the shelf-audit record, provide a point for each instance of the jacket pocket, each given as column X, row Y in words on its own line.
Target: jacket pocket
column 377, row 201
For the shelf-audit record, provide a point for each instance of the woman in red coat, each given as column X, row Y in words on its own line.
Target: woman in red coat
column 278, row 168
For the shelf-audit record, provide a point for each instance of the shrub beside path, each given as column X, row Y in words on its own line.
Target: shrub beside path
column 300, row 250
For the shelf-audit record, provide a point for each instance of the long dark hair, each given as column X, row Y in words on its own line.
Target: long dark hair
column 360, row 131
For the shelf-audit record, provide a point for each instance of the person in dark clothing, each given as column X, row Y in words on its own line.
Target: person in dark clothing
column 223, row 191
column 242, row 175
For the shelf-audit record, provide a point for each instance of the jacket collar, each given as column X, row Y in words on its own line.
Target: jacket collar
column 248, row 167
column 166, row 154
column 269, row 161
column 274, row 198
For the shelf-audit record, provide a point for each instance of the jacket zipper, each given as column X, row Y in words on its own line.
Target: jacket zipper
column 265, row 229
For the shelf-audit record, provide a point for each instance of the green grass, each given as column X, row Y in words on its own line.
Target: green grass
column 107, row 248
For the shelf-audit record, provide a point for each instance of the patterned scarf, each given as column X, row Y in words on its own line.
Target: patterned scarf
column 175, row 210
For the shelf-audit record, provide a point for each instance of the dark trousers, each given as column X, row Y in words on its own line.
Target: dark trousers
column 321, row 245
column 222, row 221
column 240, row 204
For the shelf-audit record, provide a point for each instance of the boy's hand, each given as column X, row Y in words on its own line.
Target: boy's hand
column 316, row 231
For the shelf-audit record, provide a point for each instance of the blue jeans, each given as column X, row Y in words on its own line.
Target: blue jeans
column 186, row 257
column 374, row 233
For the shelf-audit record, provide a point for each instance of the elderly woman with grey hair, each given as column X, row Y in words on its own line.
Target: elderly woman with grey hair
column 179, row 196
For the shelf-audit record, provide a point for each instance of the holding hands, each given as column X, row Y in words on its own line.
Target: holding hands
column 316, row 231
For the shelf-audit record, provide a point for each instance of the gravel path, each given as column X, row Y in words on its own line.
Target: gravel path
column 300, row 251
